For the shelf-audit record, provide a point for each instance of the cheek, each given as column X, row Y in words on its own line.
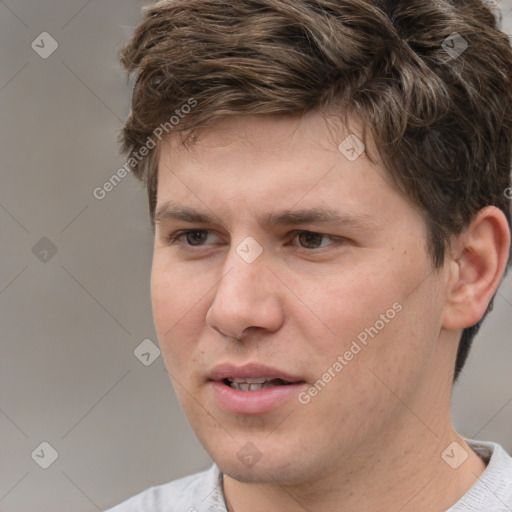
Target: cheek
column 176, row 293
column 342, row 307
column 373, row 318
column 399, row 347
column 178, row 315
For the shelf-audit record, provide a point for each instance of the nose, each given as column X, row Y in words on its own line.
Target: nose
column 247, row 298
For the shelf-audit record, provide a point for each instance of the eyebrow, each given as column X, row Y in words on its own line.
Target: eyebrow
column 318, row 215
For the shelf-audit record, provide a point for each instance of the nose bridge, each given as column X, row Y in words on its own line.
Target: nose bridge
column 243, row 280
column 244, row 265
column 243, row 297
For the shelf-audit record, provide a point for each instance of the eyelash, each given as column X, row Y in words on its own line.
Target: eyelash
column 174, row 238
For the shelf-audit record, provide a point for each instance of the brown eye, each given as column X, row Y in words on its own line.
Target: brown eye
column 190, row 237
column 310, row 240
column 196, row 237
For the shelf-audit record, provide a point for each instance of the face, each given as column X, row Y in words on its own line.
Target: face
column 279, row 256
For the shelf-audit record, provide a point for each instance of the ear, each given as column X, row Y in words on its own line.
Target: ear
column 477, row 263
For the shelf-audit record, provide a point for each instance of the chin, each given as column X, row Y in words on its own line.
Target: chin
column 275, row 468
column 261, row 473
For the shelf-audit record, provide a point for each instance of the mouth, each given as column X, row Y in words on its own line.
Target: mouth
column 256, row 384
column 253, row 388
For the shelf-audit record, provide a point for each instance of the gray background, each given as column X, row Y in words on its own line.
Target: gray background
column 70, row 321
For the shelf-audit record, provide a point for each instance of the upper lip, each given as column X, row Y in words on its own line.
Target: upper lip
column 251, row 371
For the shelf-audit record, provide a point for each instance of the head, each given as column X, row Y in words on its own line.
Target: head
column 247, row 111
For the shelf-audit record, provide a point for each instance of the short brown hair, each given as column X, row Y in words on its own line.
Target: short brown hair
column 442, row 123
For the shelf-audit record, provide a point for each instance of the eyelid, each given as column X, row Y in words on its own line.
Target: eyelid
column 174, row 238
column 335, row 239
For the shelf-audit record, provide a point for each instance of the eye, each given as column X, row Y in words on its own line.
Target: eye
column 312, row 240
column 193, row 237
column 307, row 239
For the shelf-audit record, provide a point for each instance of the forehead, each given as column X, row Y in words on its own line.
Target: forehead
column 254, row 132
column 288, row 162
column 284, row 148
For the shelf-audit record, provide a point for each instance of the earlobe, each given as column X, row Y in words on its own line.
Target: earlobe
column 477, row 266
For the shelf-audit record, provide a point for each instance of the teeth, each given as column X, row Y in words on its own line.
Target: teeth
column 250, row 381
column 249, row 385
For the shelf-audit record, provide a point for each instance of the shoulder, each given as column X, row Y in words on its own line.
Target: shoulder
column 499, row 462
column 492, row 492
column 192, row 493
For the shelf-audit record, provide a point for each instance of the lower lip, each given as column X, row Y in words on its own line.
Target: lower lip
column 254, row 402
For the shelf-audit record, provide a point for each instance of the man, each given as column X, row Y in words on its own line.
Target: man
column 329, row 184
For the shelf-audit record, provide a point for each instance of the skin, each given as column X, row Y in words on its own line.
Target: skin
column 372, row 439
